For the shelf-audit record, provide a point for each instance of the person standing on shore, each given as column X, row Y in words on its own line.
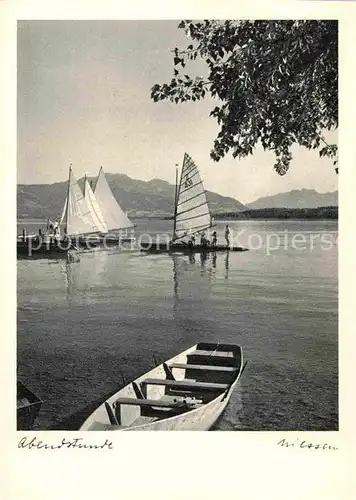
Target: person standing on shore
column 227, row 235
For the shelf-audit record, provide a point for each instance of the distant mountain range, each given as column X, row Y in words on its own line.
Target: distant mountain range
column 298, row 198
column 139, row 198
column 155, row 198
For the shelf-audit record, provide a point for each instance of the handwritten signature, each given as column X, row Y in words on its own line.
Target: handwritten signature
column 78, row 443
column 306, row 444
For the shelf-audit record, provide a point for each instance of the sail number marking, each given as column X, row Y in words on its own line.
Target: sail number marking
column 188, row 182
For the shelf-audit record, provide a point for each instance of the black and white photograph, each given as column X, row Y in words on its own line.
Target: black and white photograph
column 177, row 225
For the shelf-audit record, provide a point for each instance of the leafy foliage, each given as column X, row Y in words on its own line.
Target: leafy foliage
column 276, row 82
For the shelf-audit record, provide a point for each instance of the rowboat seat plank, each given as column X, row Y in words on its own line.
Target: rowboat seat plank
column 204, row 367
column 222, row 354
column 185, row 384
column 160, row 403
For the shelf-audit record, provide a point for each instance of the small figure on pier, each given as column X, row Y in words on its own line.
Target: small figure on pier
column 56, row 229
column 52, row 228
column 191, row 241
column 214, row 239
column 204, row 242
column 49, row 227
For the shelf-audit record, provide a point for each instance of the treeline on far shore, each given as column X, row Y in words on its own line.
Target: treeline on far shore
column 282, row 213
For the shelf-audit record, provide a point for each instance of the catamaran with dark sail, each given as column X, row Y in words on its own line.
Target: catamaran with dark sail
column 192, row 216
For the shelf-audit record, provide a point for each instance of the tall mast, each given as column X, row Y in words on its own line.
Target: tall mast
column 96, row 181
column 175, row 204
column 67, row 206
column 85, row 181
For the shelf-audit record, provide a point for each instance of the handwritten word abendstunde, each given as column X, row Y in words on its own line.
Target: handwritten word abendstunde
column 77, row 443
column 306, row 445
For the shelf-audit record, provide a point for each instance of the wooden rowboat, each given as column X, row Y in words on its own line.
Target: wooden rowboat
column 188, row 392
column 28, row 407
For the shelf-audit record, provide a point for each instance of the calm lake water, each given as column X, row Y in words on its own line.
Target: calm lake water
column 85, row 327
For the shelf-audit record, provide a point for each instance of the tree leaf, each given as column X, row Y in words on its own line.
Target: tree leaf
column 277, row 82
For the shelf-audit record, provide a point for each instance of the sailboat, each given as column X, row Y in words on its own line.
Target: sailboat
column 85, row 219
column 81, row 214
column 92, row 202
column 115, row 218
column 191, row 215
column 77, row 220
column 95, row 212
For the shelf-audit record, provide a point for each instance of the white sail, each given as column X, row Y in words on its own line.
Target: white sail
column 64, row 212
column 192, row 210
column 113, row 214
column 78, row 216
column 94, row 207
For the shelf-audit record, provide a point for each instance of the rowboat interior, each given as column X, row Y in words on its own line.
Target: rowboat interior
column 180, row 389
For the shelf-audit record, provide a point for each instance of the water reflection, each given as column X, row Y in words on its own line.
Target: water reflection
column 191, row 257
column 186, row 271
column 196, row 293
column 68, row 278
column 213, row 258
column 175, row 278
column 203, row 258
column 226, row 262
column 193, row 275
column 227, row 256
column 90, row 272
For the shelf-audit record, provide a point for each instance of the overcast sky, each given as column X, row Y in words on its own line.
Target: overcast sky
column 84, row 98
